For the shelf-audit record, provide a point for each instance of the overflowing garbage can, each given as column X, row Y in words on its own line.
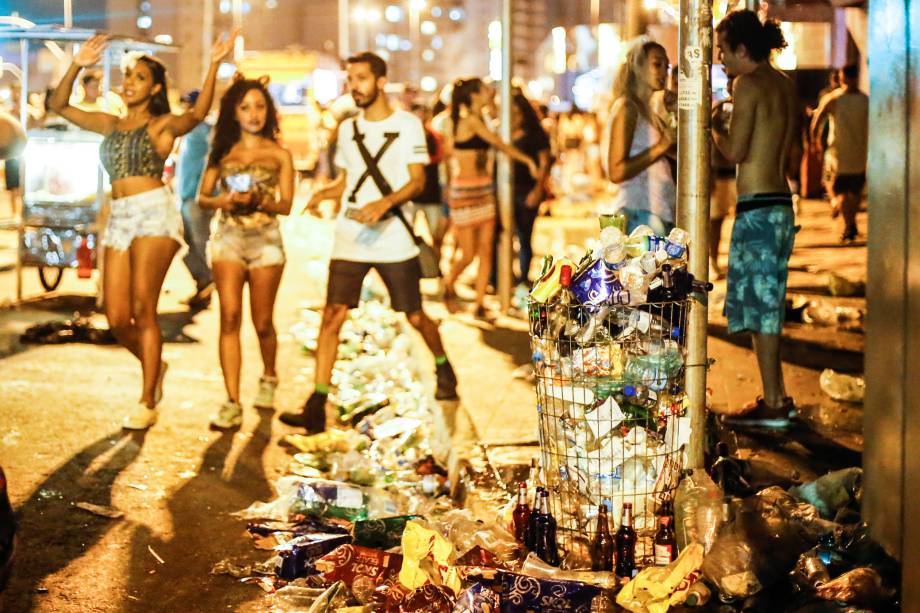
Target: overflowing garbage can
column 609, row 342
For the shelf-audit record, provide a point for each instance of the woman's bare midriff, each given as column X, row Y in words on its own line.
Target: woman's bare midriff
column 132, row 186
column 470, row 163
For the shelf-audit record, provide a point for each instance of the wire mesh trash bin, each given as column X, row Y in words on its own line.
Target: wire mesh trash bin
column 611, row 406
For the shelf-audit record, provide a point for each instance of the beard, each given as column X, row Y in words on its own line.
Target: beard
column 368, row 101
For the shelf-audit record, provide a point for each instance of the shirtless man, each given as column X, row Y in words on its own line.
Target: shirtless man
column 847, row 110
column 762, row 141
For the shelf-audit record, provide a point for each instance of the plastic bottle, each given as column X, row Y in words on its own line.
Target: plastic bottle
column 676, row 245
column 602, row 547
column 698, row 510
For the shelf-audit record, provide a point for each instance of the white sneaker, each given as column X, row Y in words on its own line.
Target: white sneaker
column 265, row 399
column 140, row 417
column 229, row 416
column 158, row 392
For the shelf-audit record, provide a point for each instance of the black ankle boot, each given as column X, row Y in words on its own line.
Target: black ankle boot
column 312, row 416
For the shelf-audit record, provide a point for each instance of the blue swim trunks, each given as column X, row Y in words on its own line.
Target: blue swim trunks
column 758, row 263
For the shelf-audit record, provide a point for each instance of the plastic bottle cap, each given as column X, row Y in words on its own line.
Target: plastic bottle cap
column 675, row 332
column 629, row 390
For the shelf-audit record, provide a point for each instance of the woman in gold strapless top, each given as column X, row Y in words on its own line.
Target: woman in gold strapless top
column 250, row 181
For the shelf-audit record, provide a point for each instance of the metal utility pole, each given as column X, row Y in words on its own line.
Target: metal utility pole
column 693, row 165
column 505, row 169
column 344, row 46
column 68, row 13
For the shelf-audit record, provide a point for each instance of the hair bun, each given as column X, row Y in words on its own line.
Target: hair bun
column 773, row 35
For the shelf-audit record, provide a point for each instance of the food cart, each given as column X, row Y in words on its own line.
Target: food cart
column 64, row 185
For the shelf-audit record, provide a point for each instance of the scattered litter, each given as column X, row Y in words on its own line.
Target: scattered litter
column 102, row 511
column 838, row 285
column 187, row 474
column 846, row 388
column 155, row 555
column 137, row 486
column 78, row 330
column 11, row 437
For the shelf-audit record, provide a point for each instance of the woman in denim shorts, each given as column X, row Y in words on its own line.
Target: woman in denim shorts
column 253, row 176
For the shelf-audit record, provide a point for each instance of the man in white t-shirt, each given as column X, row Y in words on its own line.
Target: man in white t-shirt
column 382, row 155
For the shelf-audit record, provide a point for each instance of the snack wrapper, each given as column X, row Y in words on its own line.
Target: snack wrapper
column 426, row 556
column 383, row 533
column 428, row 599
column 549, row 284
column 595, row 286
column 361, row 568
column 478, row 598
column 656, row 588
column 297, row 557
column 521, row 593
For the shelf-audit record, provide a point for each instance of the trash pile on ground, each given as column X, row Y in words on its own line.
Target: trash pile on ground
column 367, row 519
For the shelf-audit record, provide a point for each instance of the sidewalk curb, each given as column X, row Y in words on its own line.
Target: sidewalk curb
column 798, row 351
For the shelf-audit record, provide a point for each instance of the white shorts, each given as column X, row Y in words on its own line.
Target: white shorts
column 249, row 247
column 151, row 213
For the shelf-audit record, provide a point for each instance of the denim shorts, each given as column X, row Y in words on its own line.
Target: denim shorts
column 758, row 263
column 151, row 213
column 255, row 247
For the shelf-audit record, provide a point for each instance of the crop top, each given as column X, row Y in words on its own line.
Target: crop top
column 130, row 153
column 475, row 143
column 262, row 180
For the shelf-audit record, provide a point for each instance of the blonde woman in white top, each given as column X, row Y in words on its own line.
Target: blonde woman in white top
column 638, row 141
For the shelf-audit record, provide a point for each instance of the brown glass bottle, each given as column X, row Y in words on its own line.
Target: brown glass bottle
column 602, row 549
column 626, row 543
column 521, row 513
column 665, row 542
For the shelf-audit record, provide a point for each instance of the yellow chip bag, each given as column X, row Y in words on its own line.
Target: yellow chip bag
column 425, row 559
column 656, row 588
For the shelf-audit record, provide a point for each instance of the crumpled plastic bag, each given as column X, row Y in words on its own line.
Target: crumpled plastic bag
column 465, row 532
column 755, row 549
column 656, row 588
column 804, row 513
column 833, row 492
column 426, row 559
column 845, row 388
column 860, row 586
column 297, row 599
column 838, row 285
